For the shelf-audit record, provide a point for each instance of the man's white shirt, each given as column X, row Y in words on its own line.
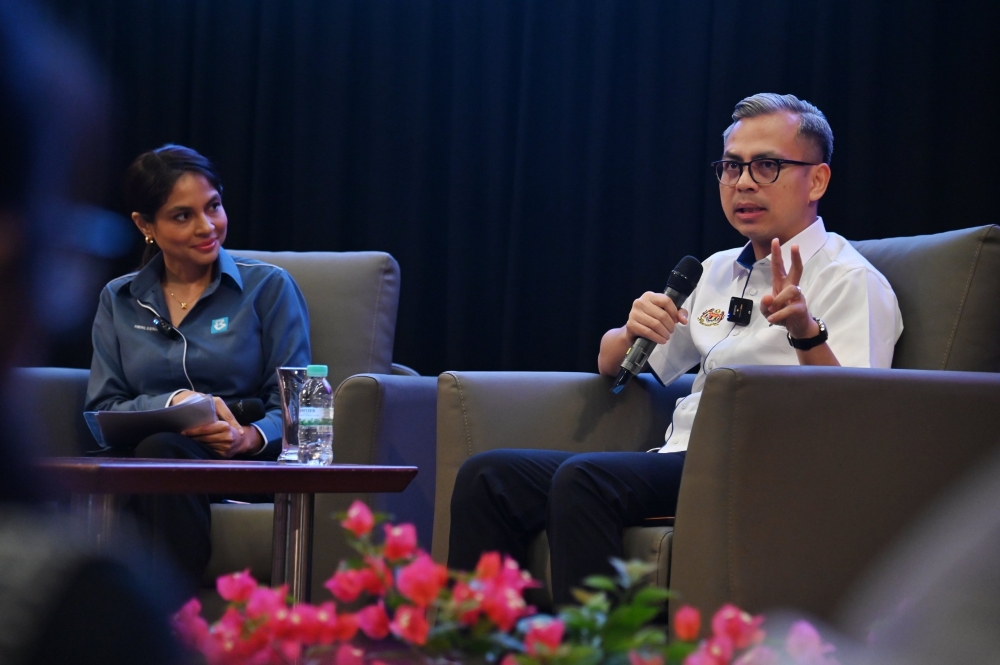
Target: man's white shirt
column 840, row 286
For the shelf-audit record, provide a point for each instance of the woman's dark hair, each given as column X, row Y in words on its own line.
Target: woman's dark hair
column 152, row 176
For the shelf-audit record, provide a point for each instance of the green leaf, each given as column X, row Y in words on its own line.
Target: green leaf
column 631, row 617
column 581, row 655
column 602, row 582
column 623, row 623
column 676, row 652
column 576, row 618
column 651, row 595
column 650, row 637
column 633, row 570
column 598, row 602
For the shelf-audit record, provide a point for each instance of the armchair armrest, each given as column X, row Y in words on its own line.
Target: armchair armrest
column 50, row 401
column 797, row 477
column 403, row 370
column 390, row 419
column 378, row 419
column 480, row 411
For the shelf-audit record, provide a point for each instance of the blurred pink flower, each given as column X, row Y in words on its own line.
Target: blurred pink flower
column 410, row 624
column 300, row 624
column 687, row 623
column 422, row 580
column 346, row 628
column 636, row 658
column 376, row 578
column 806, row 647
column 546, row 631
column 326, row 618
column 468, row 602
column 374, row 621
column 717, row 650
column 739, row 626
column 504, row 605
column 349, row 655
column 190, row 627
column 759, row 655
column 488, row 566
column 359, row 519
column 400, row 541
column 236, row 587
column 345, row 585
column 264, row 601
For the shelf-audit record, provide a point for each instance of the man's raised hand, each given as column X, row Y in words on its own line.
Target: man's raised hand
column 786, row 305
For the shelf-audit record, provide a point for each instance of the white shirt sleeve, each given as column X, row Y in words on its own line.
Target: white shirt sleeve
column 861, row 315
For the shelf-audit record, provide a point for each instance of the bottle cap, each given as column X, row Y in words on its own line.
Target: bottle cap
column 316, row 370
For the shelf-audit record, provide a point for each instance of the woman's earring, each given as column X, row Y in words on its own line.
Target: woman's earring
column 149, row 240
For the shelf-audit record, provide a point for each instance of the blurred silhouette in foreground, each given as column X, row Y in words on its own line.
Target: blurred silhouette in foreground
column 60, row 602
column 935, row 598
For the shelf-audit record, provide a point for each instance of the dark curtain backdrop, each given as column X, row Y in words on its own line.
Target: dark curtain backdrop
column 535, row 165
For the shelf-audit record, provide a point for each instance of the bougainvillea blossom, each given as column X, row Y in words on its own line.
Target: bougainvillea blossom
column 742, row 629
column 400, row 541
column 359, row 519
column 422, row 580
column 544, row 631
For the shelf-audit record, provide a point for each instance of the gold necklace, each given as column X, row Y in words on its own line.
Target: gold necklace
column 184, row 305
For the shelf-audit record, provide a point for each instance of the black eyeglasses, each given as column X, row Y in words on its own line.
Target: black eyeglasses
column 763, row 171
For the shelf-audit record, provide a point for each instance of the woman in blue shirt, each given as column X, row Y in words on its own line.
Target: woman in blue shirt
column 193, row 319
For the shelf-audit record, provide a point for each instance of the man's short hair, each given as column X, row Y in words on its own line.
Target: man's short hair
column 812, row 123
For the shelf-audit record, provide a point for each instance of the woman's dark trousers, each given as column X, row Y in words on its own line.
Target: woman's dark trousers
column 176, row 527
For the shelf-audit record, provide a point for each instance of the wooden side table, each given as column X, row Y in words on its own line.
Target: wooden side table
column 97, row 483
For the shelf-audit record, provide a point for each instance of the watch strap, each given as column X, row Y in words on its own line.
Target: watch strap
column 810, row 342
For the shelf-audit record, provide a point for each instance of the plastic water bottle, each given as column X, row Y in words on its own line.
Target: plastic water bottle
column 316, row 418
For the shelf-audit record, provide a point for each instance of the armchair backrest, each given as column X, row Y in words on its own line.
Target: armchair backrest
column 947, row 285
column 353, row 298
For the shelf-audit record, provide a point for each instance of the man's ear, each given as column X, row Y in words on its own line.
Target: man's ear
column 819, row 180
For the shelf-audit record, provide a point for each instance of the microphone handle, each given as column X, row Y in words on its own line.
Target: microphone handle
column 638, row 354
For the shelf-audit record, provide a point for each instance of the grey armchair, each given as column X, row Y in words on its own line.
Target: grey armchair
column 352, row 298
column 788, row 516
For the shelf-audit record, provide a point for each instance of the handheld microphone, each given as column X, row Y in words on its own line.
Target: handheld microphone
column 683, row 278
column 247, row 411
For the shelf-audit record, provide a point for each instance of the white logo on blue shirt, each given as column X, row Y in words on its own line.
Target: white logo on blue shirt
column 220, row 325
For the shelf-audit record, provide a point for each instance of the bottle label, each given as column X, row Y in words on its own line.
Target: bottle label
column 314, row 416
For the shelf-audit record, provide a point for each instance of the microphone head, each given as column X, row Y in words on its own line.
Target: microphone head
column 247, row 410
column 684, row 277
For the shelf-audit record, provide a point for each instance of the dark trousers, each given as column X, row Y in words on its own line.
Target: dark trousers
column 175, row 527
column 504, row 498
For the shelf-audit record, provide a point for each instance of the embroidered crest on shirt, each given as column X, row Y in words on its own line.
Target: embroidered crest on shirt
column 220, row 325
column 711, row 317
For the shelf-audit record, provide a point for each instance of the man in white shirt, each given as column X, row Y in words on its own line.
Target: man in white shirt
column 807, row 298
